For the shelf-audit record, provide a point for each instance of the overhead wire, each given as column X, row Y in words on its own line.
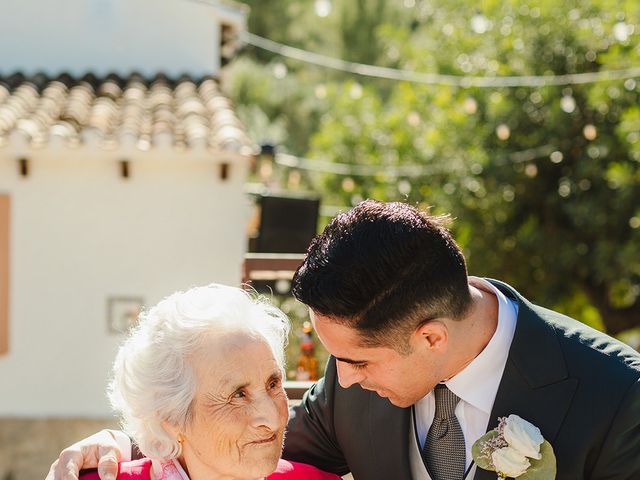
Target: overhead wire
column 406, row 170
column 463, row 81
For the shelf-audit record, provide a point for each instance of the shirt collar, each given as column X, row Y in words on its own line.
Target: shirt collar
column 168, row 470
column 478, row 382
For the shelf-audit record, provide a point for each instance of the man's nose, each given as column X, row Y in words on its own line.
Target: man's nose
column 347, row 375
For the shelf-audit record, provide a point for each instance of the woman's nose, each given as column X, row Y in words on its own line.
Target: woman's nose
column 269, row 412
column 347, row 375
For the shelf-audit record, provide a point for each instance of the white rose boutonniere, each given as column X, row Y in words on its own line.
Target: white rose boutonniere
column 515, row 449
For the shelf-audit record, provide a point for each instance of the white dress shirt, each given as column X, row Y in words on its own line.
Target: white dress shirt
column 476, row 386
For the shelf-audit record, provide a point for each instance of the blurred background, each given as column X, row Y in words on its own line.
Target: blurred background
column 148, row 146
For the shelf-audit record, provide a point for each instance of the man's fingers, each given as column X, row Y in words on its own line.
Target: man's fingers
column 108, row 468
column 99, row 450
column 52, row 471
column 71, row 470
column 110, row 450
column 67, row 466
column 108, row 462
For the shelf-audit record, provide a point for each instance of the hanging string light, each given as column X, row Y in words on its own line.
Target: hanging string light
column 590, row 132
column 567, row 102
column 463, row 81
column 322, row 8
column 503, row 131
column 408, row 170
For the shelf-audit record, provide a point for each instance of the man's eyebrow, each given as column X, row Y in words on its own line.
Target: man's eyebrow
column 348, row 360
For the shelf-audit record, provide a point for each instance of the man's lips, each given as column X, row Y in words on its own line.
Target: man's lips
column 380, row 393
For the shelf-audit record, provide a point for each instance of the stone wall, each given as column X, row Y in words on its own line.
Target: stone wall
column 29, row 446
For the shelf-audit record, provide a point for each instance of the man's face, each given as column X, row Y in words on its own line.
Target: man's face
column 403, row 379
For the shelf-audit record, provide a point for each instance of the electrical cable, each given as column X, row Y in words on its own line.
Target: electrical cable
column 436, row 78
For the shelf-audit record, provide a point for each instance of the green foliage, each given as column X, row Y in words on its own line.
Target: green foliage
column 543, row 469
column 543, row 182
column 298, row 314
column 482, row 460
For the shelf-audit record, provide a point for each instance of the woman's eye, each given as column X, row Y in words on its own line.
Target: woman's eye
column 239, row 394
column 274, row 384
column 358, row 366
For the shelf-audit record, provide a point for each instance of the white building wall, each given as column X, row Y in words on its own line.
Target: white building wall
column 121, row 36
column 79, row 234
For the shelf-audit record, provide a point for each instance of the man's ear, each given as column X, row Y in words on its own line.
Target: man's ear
column 433, row 335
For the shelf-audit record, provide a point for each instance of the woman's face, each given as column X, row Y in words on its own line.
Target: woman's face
column 239, row 412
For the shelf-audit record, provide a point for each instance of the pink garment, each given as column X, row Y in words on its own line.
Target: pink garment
column 135, row 470
column 301, row 471
column 141, row 470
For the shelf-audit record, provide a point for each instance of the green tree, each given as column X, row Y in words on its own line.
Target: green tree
column 282, row 101
column 544, row 182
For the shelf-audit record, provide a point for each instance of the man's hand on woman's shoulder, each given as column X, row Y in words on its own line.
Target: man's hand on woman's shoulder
column 101, row 450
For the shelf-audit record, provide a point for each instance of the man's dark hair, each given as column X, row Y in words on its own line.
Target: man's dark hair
column 384, row 269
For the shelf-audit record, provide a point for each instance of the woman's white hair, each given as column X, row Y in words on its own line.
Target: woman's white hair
column 153, row 381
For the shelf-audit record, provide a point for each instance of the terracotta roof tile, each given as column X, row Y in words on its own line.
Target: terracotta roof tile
column 115, row 112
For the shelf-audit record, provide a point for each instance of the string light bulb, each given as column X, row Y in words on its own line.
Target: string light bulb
column 568, row 103
column 470, row 105
column 480, row 24
column 503, row 131
column 322, row 8
column 590, row 132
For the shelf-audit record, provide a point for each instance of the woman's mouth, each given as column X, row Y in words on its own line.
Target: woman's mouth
column 265, row 440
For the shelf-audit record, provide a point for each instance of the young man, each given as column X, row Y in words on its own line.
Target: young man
column 425, row 359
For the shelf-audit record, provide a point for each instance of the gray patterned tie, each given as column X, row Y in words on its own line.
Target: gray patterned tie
column 443, row 453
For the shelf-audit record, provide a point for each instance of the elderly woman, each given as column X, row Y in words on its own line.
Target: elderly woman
column 199, row 386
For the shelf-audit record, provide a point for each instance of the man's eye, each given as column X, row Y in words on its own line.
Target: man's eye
column 359, row 366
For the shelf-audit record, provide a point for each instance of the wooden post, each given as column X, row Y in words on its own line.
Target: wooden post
column 270, row 266
column 296, row 388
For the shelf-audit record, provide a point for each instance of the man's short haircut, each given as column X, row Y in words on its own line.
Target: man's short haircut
column 384, row 269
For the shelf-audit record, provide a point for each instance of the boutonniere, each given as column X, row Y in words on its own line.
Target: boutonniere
column 515, row 449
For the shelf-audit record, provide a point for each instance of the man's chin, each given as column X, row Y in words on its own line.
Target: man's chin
column 399, row 403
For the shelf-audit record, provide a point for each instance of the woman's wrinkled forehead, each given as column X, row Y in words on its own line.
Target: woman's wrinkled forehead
column 237, row 355
column 230, row 338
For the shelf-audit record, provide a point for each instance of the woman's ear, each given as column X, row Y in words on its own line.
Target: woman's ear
column 172, row 430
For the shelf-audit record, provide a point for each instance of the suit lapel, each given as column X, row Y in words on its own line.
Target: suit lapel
column 535, row 384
